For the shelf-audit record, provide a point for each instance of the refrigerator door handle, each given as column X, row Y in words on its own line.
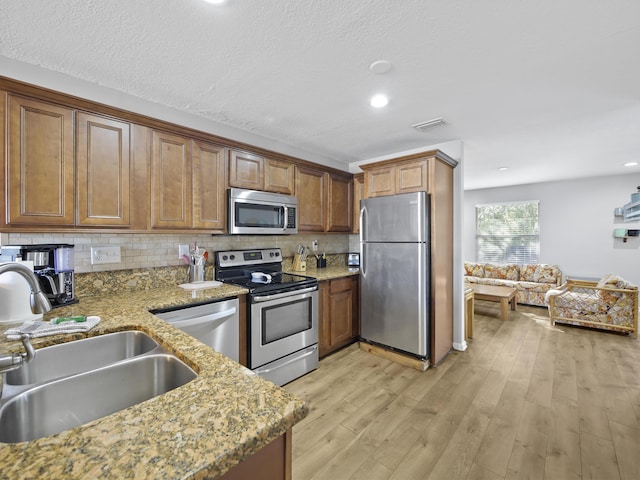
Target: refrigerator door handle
column 363, row 212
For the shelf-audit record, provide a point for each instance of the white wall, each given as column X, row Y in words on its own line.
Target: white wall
column 576, row 224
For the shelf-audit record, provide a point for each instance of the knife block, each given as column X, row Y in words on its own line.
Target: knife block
column 299, row 265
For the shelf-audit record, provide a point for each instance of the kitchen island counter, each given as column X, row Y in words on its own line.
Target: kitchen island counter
column 199, row 430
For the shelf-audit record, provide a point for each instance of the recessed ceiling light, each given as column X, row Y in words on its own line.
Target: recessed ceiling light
column 215, row 2
column 502, row 169
column 380, row 67
column 631, row 164
column 379, row 101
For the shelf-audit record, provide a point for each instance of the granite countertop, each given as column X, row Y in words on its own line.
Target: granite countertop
column 201, row 429
column 328, row 273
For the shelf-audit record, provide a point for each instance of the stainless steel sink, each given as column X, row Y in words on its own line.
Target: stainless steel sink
column 65, row 403
column 81, row 355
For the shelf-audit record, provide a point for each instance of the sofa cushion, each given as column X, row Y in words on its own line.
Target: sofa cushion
column 540, row 273
column 474, row 269
column 507, row 271
column 612, row 281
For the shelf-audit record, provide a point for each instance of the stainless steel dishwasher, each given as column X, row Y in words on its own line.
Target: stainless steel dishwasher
column 215, row 324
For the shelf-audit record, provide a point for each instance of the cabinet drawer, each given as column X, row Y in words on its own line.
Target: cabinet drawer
column 341, row 284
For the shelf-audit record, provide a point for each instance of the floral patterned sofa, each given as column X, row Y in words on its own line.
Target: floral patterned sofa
column 610, row 304
column 531, row 282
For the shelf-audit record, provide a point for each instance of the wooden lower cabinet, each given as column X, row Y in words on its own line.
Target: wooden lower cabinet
column 339, row 318
column 272, row 462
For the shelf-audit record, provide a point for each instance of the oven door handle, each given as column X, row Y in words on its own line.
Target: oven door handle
column 266, row 298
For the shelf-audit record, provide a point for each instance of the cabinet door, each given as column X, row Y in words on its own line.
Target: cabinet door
column 380, row 181
column 103, row 175
column 340, row 203
column 209, row 186
column 412, row 177
column 279, row 176
column 341, row 306
column 170, row 181
column 310, row 188
column 40, row 167
column 246, row 170
column 358, row 194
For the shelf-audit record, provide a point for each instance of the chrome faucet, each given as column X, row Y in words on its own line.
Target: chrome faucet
column 39, row 304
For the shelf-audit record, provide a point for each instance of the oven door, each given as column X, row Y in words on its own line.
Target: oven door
column 282, row 324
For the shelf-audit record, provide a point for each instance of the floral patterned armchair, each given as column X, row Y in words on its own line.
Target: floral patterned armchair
column 610, row 304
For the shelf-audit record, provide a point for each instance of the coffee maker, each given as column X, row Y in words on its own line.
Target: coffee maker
column 52, row 264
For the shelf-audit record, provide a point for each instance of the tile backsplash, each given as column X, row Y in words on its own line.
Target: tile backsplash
column 161, row 250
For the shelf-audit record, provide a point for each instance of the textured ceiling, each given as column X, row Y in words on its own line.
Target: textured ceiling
column 550, row 89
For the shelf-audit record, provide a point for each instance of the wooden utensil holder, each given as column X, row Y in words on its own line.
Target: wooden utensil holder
column 299, row 265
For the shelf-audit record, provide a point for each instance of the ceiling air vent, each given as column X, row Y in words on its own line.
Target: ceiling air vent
column 436, row 122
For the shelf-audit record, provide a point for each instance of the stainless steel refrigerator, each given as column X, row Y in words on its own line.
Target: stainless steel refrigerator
column 394, row 272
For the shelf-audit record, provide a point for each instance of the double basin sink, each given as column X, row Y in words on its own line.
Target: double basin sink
column 73, row 383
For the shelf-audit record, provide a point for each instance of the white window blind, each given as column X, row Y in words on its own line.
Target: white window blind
column 508, row 232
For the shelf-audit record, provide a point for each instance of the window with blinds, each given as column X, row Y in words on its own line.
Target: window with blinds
column 507, row 232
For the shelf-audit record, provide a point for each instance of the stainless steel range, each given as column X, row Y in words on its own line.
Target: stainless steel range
column 282, row 323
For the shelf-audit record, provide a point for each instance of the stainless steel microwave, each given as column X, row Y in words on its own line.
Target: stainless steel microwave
column 255, row 213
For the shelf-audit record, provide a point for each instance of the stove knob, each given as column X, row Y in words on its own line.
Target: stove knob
column 232, row 257
column 277, row 254
column 271, row 254
column 224, row 257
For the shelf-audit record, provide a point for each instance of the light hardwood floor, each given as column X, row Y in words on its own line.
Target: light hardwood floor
column 525, row 400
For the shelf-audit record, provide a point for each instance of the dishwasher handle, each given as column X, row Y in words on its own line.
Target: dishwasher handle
column 204, row 319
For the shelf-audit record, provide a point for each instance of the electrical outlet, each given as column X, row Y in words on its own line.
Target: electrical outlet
column 314, row 246
column 183, row 250
column 100, row 255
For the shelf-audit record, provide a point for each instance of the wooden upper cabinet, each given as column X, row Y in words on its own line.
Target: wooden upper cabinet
column 340, row 203
column 358, row 194
column 312, row 208
column 412, row 176
column 380, row 181
column 40, row 166
column 389, row 178
column 279, row 176
column 103, row 171
column 325, row 200
column 170, row 181
column 246, row 170
column 209, row 186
